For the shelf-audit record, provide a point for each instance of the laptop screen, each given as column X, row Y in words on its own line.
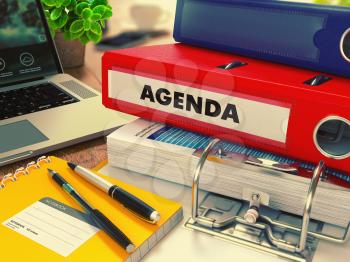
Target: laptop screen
column 26, row 48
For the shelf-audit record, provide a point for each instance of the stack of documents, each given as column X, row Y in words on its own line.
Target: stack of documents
column 168, row 153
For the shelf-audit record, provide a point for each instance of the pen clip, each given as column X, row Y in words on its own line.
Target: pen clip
column 133, row 204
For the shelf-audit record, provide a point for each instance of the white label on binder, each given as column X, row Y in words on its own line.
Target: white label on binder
column 258, row 117
column 53, row 225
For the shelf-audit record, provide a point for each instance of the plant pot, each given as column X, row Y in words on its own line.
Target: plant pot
column 71, row 53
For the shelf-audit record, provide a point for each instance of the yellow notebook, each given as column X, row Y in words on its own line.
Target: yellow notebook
column 39, row 220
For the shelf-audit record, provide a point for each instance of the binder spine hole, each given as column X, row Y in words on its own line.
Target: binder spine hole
column 345, row 45
column 332, row 137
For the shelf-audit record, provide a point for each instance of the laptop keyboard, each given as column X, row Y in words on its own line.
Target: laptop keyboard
column 32, row 99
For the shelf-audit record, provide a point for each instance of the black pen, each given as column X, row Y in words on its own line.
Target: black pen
column 129, row 201
column 101, row 220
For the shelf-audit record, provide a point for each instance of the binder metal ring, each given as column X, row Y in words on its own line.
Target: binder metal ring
column 207, row 225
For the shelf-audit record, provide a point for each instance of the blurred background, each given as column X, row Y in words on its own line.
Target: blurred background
column 126, row 17
column 136, row 23
column 129, row 15
column 159, row 14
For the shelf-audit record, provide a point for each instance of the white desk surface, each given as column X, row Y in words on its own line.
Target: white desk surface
column 182, row 244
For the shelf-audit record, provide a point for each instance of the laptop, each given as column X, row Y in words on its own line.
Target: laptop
column 41, row 108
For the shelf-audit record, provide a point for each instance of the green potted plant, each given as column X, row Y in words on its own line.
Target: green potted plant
column 73, row 24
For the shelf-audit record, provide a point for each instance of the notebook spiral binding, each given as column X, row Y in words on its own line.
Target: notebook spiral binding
column 13, row 177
